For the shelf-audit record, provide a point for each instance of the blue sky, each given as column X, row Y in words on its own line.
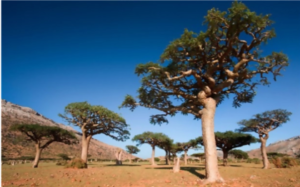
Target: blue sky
column 55, row 53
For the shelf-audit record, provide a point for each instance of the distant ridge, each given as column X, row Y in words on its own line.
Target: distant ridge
column 15, row 144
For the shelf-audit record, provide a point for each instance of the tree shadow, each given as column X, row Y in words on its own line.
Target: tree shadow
column 234, row 165
column 192, row 170
column 122, row 165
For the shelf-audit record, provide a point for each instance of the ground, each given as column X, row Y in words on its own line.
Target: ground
column 143, row 175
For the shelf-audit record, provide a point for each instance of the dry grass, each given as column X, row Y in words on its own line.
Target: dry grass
column 134, row 175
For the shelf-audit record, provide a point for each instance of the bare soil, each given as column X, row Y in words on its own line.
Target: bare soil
column 143, row 175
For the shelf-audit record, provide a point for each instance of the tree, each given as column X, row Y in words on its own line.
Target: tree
column 262, row 124
column 198, row 71
column 239, row 154
column 167, row 146
column 153, row 139
column 131, row 149
column 192, row 144
column 63, row 156
column 95, row 120
column 43, row 136
column 229, row 140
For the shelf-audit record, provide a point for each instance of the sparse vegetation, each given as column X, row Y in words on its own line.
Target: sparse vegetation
column 76, row 163
column 284, row 162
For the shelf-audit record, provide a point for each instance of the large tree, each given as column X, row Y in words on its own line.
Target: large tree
column 198, row 71
column 43, row 136
column 151, row 138
column 262, row 124
column 131, row 149
column 185, row 146
column 229, row 140
column 94, row 119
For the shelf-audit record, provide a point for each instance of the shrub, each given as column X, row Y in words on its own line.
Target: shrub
column 76, row 163
column 256, row 161
column 249, row 160
column 284, row 162
column 156, row 159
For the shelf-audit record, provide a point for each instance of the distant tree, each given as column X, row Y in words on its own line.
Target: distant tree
column 43, row 136
column 94, row 120
column 275, row 154
column 229, row 140
column 192, row 144
column 63, row 156
column 198, row 71
column 262, row 124
column 238, row 154
column 153, row 139
column 131, row 149
column 167, row 146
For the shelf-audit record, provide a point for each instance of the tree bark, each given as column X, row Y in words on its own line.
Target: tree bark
column 38, row 152
column 225, row 156
column 167, row 158
column 264, row 153
column 208, row 134
column 85, row 148
column 185, row 157
column 176, row 167
column 153, row 155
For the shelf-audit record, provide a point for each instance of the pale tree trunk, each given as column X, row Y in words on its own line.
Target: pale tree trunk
column 152, row 157
column 185, row 157
column 85, row 148
column 225, row 156
column 264, row 151
column 119, row 157
column 211, row 161
column 176, row 167
column 38, row 152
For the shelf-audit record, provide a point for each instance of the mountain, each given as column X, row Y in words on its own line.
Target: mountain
column 15, row 144
column 290, row 146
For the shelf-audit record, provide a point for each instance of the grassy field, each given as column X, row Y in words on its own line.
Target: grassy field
column 142, row 174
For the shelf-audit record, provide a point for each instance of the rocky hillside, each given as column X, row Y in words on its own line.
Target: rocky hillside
column 290, row 146
column 15, row 144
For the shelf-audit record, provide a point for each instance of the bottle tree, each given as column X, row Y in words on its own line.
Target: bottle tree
column 151, row 138
column 92, row 120
column 262, row 124
column 131, row 149
column 239, row 154
column 198, row 71
column 43, row 136
column 167, row 146
column 192, row 144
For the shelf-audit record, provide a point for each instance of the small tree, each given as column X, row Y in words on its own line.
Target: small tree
column 95, row 120
column 229, row 140
column 167, row 146
column 153, row 139
column 43, row 136
column 131, row 149
column 238, row 154
column 192, row 144
column 198, row 71
column 63, row 156
column 262, row 124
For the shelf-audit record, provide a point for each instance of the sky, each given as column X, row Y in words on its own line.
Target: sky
column 56, row 53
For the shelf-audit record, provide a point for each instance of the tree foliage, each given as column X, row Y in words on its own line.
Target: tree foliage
column 132, row 149
column 49, row 134
column 239, row 154
column 95, row 119
column 265, row 122
column 224, row 60
column 185, row 146
column 63, row 156
column 154, row 139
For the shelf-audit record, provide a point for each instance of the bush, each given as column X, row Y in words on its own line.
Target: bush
column 156, row 159
column 256, row 161
column 284, row 162
column 76, row 163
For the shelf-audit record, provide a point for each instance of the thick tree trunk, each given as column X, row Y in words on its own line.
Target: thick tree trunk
column 152, row 157
column 176, row 167
column 264, row 153
column 38, row 152
column 185, row 157
column 211, row 161
column 85, row 148
column 119, row 157
column 225, row 156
